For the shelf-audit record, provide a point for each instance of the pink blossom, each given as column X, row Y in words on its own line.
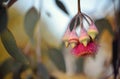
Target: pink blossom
column 81, row 50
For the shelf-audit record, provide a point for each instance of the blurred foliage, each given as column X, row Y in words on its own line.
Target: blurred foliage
column 42, row 72
column 9, row 65
column 1, row 1
column 79, row 64
column 9, row 43
column 103, row 24
column 57, row 57
column 3, row 18
column 30, row 21
column 61, row 6
column 8, row 39
column 52, row 64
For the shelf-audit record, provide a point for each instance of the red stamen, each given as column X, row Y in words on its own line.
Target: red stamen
column 81, row 50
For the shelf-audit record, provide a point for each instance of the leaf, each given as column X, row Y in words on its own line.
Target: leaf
column 79, row 64
column 22, row 68
column 42, row 71
column 3, row 18
column 31, row 18
column 103, row 24
column 9, row 65
column 1, row 1
column 61, row 6
column 57, row 57
column 9, row 43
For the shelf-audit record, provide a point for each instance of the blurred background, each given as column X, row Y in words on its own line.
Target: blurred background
column 38, row 27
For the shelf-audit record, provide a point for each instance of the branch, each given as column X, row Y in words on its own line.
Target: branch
column 11, row 2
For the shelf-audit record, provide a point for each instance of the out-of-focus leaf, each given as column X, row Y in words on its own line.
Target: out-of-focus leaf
column 79, row 64
column 9, row 65
column 9, row 43
column 42, row 71
column 61, row 6
column 31, row 18
column 72, row 23
column 103, row 24
column 17, row 73
column 57, row 57
column 3, row 18
column 1, row 1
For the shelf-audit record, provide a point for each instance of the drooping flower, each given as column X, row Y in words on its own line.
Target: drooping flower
column 81, row 50
column 85, row 44
column 66, row 37
column 84, row 37
column 73, row 38
column 92, row 31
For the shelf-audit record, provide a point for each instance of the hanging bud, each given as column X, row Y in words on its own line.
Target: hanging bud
column 92, row 31
column 84, row 38
column 66, row 37
column 73, row 39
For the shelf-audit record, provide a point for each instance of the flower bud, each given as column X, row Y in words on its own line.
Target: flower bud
column 73, row 39
column 84, row 38
column 92, row 31
column 66, row 37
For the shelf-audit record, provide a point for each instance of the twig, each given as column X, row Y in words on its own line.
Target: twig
column 11, row 2
column 27, row 48
column 79, row 7
column 38, row 49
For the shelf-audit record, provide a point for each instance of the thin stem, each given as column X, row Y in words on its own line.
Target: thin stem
column 86, row 19
column 38, row 48
column 27, row 48
column 79, row 8
column 38, row 39
column 76, row 20
column 81, row 20
column 68, row 27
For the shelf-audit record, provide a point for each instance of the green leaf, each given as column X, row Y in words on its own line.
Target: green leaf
column 9, row 65
column 3, row 18
column 79, row 64
column 42, row 71
column 30, row 21
column 22, row 68
column 61, row 6
column 57, row 57
column 9, row 43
